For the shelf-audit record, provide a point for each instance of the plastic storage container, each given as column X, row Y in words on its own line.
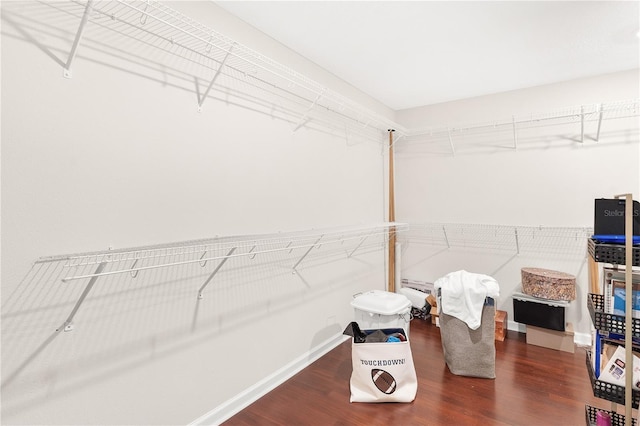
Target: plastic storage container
column 382, row 309
column 537, row 312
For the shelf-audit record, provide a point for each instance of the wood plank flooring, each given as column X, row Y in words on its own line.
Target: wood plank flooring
column 533, row 386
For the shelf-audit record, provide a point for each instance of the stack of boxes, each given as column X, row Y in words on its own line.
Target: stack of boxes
column 541, row 306
column 431, row 300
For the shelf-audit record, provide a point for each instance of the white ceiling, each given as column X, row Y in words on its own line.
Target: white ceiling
column 412, row 53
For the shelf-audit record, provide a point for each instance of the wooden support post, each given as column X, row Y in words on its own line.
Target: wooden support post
column 392, row 218
column 594, row 281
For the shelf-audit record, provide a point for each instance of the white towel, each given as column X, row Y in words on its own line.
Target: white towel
column 462, row 295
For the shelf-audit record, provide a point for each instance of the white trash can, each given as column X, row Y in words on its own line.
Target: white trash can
column 378, row 309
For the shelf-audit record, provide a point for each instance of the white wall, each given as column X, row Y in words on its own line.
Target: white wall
column 550, row 180
column 118, row 156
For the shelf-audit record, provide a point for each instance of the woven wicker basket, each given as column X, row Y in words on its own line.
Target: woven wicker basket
column 548, row 284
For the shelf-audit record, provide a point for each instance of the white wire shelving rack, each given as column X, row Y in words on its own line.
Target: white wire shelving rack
column 561, row 241
column 181, row 46
column 586, row 122
column 227, row 66
column 291, row 250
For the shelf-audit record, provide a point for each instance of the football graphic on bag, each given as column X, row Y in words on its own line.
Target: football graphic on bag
column 383, row 381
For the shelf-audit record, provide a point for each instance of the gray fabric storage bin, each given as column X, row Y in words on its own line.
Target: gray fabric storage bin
column 470, row 352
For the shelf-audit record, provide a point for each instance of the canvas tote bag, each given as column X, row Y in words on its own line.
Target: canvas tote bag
column 383, row 371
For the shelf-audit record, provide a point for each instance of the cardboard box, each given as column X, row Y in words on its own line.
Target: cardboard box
column 501, row 325
column 435, row 320
column 431, row 300
column 552, row 339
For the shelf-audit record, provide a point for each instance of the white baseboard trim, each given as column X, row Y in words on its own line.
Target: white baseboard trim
column 582, row 339
column 234, row 405
column 516, row 326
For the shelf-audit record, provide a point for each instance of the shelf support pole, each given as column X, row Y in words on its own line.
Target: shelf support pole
column 215, row 271
column 391, row 285
column 68, row 324
column 306, row 253
column 213, row 80
column 76, row 41
column 599, row 123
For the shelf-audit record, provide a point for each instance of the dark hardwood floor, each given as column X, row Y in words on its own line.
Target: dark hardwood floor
column 533, row 386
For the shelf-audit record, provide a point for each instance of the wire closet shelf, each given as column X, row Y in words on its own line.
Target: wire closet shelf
column 305, row 101
column 222, row 248
column 286, row 249
column 585, row 120
column 561, row 241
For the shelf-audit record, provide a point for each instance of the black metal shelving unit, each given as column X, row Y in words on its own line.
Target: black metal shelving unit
column 620, row 325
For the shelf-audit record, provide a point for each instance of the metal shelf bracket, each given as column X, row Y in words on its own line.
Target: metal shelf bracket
column 599, row 121
column 358, row 246
column 301, row 122
column 76, row 41
column 68, row 323
column 215, row 77
column 213, row 274
column 306, row 253
column 453, row 150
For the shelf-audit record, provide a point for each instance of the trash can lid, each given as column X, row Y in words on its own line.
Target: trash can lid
column 381, row 302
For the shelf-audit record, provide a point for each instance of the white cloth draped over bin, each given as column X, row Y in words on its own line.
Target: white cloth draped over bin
column 464, row 295
column 466, row 305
